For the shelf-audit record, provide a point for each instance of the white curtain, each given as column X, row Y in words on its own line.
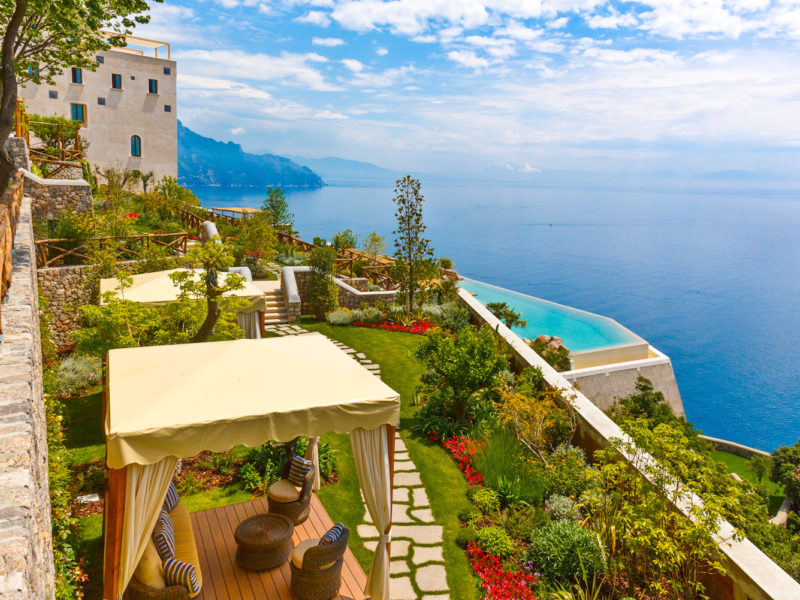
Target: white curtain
column 250, row 323
column 145, row 488
column 312, row 454
column 371, row 454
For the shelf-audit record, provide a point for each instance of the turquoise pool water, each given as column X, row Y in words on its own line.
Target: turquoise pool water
column 580, row 330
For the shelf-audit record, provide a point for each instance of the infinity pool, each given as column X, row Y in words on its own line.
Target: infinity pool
column 579, row 329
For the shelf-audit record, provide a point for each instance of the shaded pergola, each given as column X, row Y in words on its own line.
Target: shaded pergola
column 158, row 288
column 164, row 403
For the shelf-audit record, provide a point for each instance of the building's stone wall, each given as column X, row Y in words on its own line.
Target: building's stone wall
column 26, row 547
column 53, row 196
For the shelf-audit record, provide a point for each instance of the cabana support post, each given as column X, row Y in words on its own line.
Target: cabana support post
column 113, row 520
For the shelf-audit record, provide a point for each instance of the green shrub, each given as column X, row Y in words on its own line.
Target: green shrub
column 345, row 239
column 370, row 314
column 569, row 475
column 495, row 541
column 505, row 469
column 289, row 259
column 445, row 262
column 521, row 521
column 486, row 500
column 223, row 462
column 189, row 485
column 467, row 535
column 469, row 515
column 250, row 478
column 558, row 549
column 561, row 507
column 454, row 318
column 318, row 241
column 77, row 373
column 340, row 316
column 323, row 295
column 267, row 461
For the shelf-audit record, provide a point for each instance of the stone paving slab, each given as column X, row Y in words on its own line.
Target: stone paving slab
column 398, row 567
column 423, row 554
column 401, row 589
column 421, row 534
column 423, row 514
column 432, row 578
column 407, row 479
column 420, row 498
column 404, row 465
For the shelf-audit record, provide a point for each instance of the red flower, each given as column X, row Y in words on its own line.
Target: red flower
column 233, row 239
column 132, row 215
column 463, row 449
column 498, row 583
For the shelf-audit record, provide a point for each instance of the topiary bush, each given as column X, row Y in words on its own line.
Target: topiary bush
column 495, row 541
column 340, row 316
column 77, row 373
column 559, row 548
column 561, row 507
column 486, row 500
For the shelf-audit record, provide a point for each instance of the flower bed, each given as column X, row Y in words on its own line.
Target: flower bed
column 498, row 583
column 463, row 449
column 420, row 327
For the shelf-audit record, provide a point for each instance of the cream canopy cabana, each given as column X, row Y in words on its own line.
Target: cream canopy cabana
column 158, row 288
column 168, row 402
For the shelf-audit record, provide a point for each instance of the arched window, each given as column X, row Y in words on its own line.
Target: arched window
column 136, row 145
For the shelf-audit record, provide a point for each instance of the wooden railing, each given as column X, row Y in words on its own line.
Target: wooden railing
column 56, row 252
column 67, row 150
column 290, row 240
column 10, row 205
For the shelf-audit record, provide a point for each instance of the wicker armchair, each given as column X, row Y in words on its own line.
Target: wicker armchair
column 319, row 573
column 297, row 510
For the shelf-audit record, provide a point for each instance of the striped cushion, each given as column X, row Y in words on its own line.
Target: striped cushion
column 172, row 498
column 333, row 534
column 177, row 572
column 164, row 536
column 298, row 469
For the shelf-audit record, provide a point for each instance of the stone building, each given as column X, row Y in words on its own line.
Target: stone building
column 127, row 106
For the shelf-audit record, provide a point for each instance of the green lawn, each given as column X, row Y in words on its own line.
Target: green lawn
column 741, row 466
column 437, row 469
column 83, row 426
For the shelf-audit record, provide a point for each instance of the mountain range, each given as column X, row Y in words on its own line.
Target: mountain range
column 203, row 161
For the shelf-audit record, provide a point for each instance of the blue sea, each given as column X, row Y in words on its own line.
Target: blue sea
column 711, row 278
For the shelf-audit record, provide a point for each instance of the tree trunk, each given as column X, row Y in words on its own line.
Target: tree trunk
column 212, row 314
column 461, row 410
column 8, row 96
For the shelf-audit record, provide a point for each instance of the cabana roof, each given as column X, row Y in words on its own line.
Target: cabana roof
column 180, row 400
column 158, row 288
column 236, row 210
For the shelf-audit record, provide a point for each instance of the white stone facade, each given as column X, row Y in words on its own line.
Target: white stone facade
column 114, row 116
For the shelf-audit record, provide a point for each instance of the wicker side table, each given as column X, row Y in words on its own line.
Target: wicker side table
column 263, row 542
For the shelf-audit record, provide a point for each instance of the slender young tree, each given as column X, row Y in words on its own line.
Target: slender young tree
column 413, row 252
column 275, row 204
column 43, row 37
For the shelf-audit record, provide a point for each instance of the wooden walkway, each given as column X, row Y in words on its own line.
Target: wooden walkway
column 224, row 580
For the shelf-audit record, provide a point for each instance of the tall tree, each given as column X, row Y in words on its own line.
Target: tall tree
column 275, row 204
column 413, row 252
column 43, row 37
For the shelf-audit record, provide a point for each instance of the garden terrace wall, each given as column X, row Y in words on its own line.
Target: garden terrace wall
column 734, row 448
column 294, row 282
column 51, row 197
column 750, row 574
column 65, row 289
column 26, row 547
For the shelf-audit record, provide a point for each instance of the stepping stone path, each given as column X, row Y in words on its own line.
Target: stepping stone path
column 417, row 566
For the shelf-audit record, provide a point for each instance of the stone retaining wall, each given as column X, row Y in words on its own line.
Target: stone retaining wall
column 26, row 546
column 750, row 574
column 53, row 196
column 18, row 150
column 294, row 282
column 65, row 288
column 734, row 448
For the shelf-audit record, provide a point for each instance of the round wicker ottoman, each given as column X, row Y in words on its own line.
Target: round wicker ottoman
column 264, row 542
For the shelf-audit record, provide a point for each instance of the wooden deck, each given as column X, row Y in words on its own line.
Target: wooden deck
column 224, row 580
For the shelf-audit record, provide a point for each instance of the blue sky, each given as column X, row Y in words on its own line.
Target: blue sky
column 458, row 86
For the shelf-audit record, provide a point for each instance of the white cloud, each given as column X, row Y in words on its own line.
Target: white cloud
column 238, row 131
column 559, row 23
column 613, row 20
column 498, row 48
column 353, row 65
column 315, row 17
column 329, row 42
column 383, row 79
column 381, row 51
column 468, row 58
column 329, row 114
column 292, row 69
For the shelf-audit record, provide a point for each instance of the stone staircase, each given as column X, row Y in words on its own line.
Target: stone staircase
column 276, row 308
